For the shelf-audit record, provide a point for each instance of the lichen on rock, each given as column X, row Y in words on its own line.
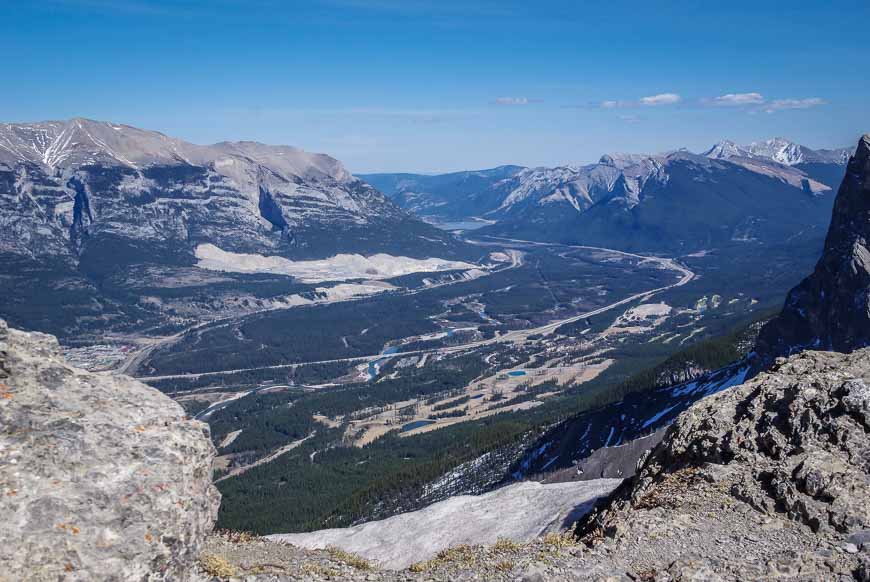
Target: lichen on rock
column 101, row 477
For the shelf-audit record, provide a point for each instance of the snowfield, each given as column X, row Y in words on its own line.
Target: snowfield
column 338, row 268
column 399, row 541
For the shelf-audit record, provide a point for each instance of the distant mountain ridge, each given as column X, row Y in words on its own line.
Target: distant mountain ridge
column 678, row 202
column 607, row 202
column 452, row 195
column 778, row 150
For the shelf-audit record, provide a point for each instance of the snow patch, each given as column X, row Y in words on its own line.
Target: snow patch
column 401, row 540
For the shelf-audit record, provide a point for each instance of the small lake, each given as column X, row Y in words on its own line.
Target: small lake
column 517, row 373
column 460, row 225
column 416, row 424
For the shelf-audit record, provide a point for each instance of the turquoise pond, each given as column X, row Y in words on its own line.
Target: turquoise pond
column 517, row 373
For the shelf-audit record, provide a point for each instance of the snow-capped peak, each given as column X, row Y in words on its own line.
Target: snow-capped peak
column 726, row 149
column 79, row 142
column 779, row 150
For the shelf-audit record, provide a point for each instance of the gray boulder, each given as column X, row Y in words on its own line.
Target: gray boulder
column 101, row 477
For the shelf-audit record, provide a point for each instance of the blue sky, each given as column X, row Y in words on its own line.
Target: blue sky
column 436, row 85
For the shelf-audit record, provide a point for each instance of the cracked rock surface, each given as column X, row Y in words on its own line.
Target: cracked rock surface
column 770, row 479
column 101, row 477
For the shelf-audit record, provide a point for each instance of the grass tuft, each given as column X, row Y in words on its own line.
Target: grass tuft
column 350, row 559
column 217, row 566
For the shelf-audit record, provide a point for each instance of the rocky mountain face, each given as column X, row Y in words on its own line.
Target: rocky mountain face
column 770, row 479
column 101, row 477
column 92, row 213
column 104, row 478
column 68, row 187
column 680, row 202
column 830, row 309
column 639, row 414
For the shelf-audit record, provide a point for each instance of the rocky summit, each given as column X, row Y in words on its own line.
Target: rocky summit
column 768, row 480
column 101, row 477
column 830, row 309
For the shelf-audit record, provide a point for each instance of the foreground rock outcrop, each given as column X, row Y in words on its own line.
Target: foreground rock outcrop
column 101, row 477
column 830, row 309
column 770, row 479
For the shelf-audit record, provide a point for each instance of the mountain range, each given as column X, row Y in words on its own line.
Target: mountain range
column 93, row 214
column 105, row 224
column 68, row 187
column 677, row 201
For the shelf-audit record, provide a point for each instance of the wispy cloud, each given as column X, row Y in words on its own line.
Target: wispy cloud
column 515, row 101
column 755, row 102
column 661, row 99
column 782, row 104
column 650, row 101
column 736, row 100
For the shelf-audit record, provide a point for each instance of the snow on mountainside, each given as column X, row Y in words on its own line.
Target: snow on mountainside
column 678, row 201
column 64, row 183
column 79, row 142
column 779, row 150
column 85, row 203
column 624, row 176
column 401, row 540
column 620, row 190
column 829, row 309
column 579, row 186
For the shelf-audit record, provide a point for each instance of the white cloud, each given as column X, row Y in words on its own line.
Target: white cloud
column 610, row 104
column 661, row 99
column 738, row 99
column 514, row 101
column 781, row 104
column 630, row 118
